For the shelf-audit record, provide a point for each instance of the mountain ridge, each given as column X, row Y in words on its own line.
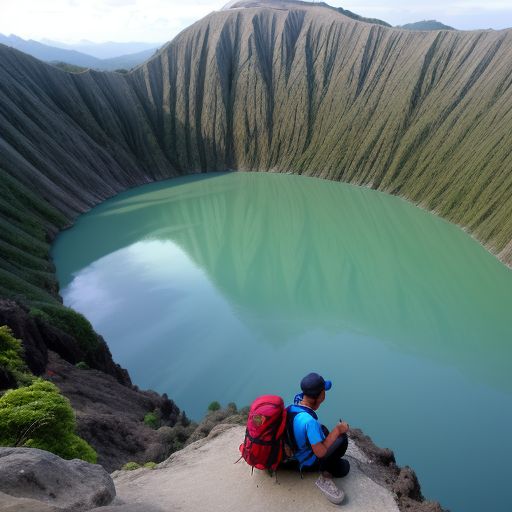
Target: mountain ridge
column 422, row 115
column 426, row 25
column 106, row 50
column 428, row 63
column 53, row 54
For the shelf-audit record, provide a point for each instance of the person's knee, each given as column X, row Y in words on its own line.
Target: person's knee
column 342, row 469
column 338, row 448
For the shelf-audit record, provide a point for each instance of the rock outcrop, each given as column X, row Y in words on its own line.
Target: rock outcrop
column 204, row 476
column 36, row 475
column 110, row 416
column 39, row 336
column 109, row 410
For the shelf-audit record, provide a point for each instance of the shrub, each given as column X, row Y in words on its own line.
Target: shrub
column 10, row 351
column 11, row 359
column 150, row 465
column 214, row 406
column 70, row 322
column 82, row 365
column 38, row 416
column 130, row 466
column 152, row 420
column 178, row 435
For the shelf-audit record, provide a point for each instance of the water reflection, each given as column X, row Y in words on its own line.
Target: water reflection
column 228, row 287
column 293, row 254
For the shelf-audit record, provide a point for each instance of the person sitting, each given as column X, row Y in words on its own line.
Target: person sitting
column 314, row 447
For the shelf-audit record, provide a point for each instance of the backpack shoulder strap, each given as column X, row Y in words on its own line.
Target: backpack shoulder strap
column 292, row 411
column 297, row 409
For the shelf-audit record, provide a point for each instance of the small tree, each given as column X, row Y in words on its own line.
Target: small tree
column 11, row 359
column 38, row 416
column 71, row 322
column 214, row 406
column 152, row 420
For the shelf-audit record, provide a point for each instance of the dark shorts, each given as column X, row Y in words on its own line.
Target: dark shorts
column 332, row 462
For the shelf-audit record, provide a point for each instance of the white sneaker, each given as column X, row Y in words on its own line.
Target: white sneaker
column 328, row 487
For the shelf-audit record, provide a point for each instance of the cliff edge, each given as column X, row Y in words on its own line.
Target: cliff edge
column 204, row 476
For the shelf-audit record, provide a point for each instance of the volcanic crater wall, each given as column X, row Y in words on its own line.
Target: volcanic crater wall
column 304, row 89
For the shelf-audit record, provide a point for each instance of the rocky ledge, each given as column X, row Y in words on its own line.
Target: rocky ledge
column 204, row 475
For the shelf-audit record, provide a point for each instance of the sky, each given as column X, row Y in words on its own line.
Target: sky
column 160, row 20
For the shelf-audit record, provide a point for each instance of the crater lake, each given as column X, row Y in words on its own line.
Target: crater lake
column 226, row 286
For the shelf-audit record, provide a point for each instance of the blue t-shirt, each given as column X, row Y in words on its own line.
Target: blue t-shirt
column 307, row 431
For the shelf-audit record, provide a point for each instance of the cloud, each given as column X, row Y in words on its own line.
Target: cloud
column 120, row 3
column 101, row 20
column 160, row 20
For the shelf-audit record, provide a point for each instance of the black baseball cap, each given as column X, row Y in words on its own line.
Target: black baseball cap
column 313, row 384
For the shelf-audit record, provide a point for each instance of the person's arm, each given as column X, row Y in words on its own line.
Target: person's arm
column 320, row 449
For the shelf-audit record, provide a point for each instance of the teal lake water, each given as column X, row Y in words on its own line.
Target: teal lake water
column 228, row 286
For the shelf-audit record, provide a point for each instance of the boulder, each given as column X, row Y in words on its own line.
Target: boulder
column 72, row 485
column 110, row 416
column 11, row 504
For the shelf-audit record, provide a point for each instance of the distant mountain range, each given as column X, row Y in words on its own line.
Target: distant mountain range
column 108, row 50
column 53, row 54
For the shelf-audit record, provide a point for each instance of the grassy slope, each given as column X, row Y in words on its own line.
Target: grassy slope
column 423, row 115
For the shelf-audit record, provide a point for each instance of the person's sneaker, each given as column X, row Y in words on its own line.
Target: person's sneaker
column 328, row 487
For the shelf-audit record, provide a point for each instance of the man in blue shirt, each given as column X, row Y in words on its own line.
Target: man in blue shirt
column 317, row 449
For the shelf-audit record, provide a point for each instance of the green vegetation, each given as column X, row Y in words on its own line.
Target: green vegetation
column 11, row 357
column 69, row 321
column 354, row 16
column 131, row 466
column 38, row 416
column 178, row 436
column 82, row 365
column 427, row 25
column 152, row 420
column 69, row 68
column 214, row 406
column 26, row 273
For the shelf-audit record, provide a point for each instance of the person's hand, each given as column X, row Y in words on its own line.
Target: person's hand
column 342, row 427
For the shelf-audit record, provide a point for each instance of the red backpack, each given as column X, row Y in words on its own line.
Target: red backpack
column 263, row 445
